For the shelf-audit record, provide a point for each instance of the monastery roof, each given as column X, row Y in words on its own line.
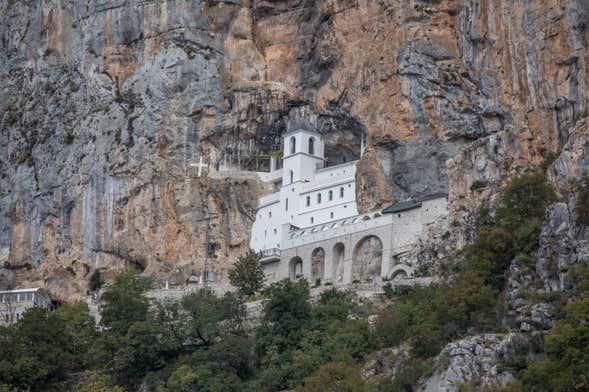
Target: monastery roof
column 20, row 290
column 411, row 204
column 307, row 129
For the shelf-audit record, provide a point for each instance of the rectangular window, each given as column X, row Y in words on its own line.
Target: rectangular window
column 330, row 195
column 319, row 198
column 308, row 201
column 341, row 192
column 312, row 220
column 286, row 204
column 331, row 215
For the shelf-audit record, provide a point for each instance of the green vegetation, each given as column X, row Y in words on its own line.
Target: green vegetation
column 478, row 185
column 205, row 343
column 68, row 137
column 429, row 317
column 247, row 274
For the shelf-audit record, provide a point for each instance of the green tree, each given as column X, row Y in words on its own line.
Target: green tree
column 287, row 313
column 336, row 377
column 247, row 274
column 566, row 367
column 94, row 382
column 34, row 352
column 124, row 302
column 204, row 312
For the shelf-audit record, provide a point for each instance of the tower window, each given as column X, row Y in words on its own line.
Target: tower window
column 286, row 204
column 291, row 176
column 341, row 192
column 293, row 141
column 330, row 195
column 331, row 215
column 308, row 201
column 319, row 198
column 312, row 220
column 269, row 214
column 311, row 146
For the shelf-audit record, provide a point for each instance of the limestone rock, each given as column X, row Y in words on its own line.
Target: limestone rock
column 474, row 360
column 106, row 106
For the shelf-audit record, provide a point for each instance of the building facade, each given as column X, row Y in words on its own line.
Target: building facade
column 13, row 303
column 309, row 227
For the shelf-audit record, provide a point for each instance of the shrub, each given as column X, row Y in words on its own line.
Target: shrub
column 525, row 197
column 69, row 137
column 477, row 185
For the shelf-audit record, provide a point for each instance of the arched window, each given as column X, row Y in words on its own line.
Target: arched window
column 291, row 176
column 311, row 146
column 330, row 195
column 308, row 201
column 319, row 198
column 341, row 192
column 293, row 142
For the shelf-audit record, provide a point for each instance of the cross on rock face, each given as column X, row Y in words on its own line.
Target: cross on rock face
column 199, row 165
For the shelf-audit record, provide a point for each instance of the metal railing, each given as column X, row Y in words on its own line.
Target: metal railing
column 270, row 253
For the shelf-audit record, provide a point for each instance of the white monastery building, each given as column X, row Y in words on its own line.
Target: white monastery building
column 309, row 227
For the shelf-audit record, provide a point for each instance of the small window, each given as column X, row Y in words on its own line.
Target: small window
column 331, row 215
column 308, row 201
column 319, row 198
column 291, row 177
column 312, row 220
column 341, row 192
column 311, row 146
column 275, row 231
column 330, row 195
column 269, row 214
column 286, row 204
column 293, row 142
column 265, row 233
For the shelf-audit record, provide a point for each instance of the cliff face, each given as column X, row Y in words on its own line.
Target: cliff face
column 107, row 105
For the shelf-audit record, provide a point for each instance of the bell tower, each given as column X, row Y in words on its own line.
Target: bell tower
column 303, row 154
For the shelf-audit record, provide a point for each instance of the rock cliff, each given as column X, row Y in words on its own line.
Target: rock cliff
column 108, row 106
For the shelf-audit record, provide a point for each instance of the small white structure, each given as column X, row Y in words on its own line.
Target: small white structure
column 13, row 303
column 310, row 226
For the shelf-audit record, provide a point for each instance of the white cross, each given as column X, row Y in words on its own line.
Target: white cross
column 200, row 165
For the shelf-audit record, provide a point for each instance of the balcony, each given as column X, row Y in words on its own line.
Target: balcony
column 269, row 255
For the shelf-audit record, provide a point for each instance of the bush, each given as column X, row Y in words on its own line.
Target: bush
column 477, row 185
column 525, row 197
column 69, row 137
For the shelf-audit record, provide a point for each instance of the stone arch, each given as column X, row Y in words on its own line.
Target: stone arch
column 317, row 264
column 295, row 268
column 337, row 266
column 400, row 272
column 367, row 259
